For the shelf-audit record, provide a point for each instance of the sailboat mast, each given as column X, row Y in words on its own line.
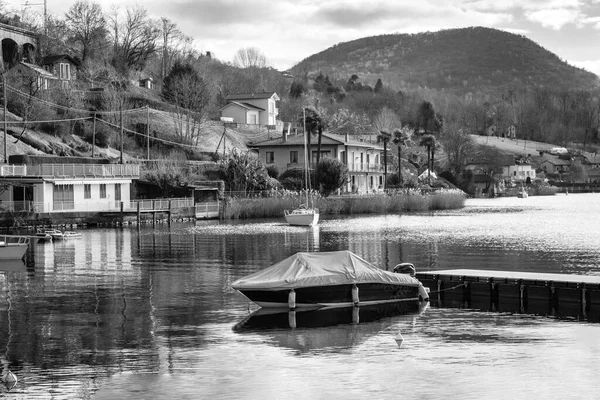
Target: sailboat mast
column 305, row 155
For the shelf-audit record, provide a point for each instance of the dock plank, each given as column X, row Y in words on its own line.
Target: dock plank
column 515, row 275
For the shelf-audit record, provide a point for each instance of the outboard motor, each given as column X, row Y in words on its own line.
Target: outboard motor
column 405, row 268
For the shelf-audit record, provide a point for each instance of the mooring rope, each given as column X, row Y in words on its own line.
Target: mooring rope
column 450, row 288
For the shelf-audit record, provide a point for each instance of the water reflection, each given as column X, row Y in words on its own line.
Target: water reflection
column 328, row 328
column 158, row 301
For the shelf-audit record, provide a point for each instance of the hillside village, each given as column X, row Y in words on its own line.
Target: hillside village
column 91, row 126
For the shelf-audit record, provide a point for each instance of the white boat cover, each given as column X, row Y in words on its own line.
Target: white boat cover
column 320, row 269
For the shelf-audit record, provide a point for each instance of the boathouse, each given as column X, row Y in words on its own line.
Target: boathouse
column 48, row 184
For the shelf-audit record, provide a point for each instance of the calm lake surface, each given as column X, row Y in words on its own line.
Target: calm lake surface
column 150, row 314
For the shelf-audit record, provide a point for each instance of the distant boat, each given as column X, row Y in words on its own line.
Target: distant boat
column 305, row 215
column 71, row 234
column 55, row 233
column 43, row 236
column 328, row 279
column 13, row 247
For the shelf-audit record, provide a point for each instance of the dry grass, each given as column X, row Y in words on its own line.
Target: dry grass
column 271, row 207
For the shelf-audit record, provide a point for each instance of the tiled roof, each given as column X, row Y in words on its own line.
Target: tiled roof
column 557, row 161
column 39, row 70
column 247, row 106
column 58, row 57
column 327, row 139
column 250, row 96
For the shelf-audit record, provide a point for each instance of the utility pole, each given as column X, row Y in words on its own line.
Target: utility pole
column 94, row 137
column 121, row 124
column 5, row 121
column 148, row 132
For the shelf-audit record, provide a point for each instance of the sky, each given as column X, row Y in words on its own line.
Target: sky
column 287, row 31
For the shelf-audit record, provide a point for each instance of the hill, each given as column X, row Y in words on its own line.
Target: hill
column 461, row 60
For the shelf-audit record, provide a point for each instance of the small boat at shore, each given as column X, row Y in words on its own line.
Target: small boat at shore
column 56, row 234
column 329, row 279
column 71, row 234
column 13, row 247
column 43, row 236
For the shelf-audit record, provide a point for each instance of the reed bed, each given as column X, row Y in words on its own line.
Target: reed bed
column 393, row 202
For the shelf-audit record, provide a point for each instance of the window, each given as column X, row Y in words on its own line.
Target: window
column 270, row 157
column 117, row 192
column 65, row 71
column 324, row 153
column 63, row 197
column 293, row 156
column 87, row 191
column 103, row 190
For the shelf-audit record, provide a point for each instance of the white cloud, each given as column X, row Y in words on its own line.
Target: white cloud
column 554, row 18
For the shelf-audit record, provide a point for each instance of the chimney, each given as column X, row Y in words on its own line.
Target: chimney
column 347, row 139
column 285, row 135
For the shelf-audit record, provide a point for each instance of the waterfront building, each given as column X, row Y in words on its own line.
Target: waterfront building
column 362, row 158
column 43, row 184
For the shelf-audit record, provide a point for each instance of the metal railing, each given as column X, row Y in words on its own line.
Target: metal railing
column 207, row 210
column 96, row 206
column 352, row 167
column 72, row 170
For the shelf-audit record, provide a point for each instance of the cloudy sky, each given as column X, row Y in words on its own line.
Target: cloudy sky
column 287, row 31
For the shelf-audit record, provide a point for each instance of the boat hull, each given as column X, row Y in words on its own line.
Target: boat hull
column 13, row 251
column 334, row 296
column 302, row 219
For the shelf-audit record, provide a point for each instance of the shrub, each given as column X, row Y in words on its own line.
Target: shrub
column 273, row 171
column 332, row 175
column 104, row 135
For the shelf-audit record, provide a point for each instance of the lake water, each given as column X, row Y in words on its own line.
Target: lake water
column 150, row 314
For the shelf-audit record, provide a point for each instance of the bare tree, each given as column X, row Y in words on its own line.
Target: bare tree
column 87, row 26
column 387, row 121
column 458, row 146
column 175, row 45
column 135, row 37
column 250, row 57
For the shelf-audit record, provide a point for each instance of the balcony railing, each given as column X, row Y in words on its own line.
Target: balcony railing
column 73, row 171
column 352, row 167
column 363, row 167
column 96, row 206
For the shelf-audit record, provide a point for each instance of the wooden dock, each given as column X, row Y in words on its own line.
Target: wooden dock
column 558, row 295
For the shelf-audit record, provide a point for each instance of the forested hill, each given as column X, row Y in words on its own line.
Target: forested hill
column 462, row 60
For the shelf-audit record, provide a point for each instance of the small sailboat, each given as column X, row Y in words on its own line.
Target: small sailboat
column 305, row 214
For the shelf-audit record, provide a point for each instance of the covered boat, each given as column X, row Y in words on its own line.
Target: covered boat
column 328, row 279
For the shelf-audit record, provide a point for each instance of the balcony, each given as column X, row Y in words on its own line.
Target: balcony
column 363, row 167
column 71, row 171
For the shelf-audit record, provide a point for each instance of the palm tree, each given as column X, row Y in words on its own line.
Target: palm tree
column 314, row 124
column 430, row 142
column 400, row 139
column 384, row 136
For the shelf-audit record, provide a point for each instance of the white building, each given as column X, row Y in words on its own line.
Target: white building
column 48, row 188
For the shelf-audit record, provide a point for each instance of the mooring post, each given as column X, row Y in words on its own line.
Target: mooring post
column 139, row 214
column 169, row 215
